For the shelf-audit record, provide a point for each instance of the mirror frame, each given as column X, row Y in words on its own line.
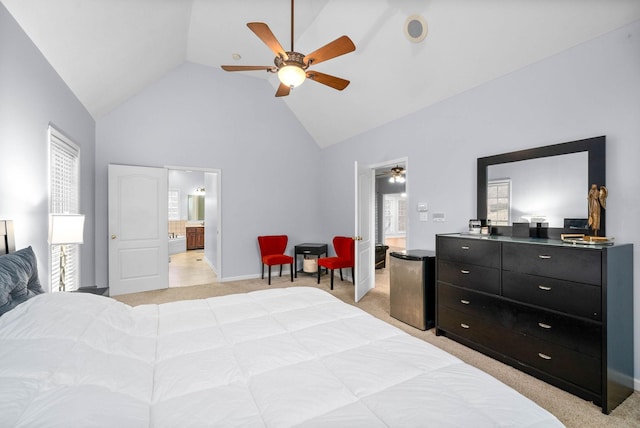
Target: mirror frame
column 596, row 147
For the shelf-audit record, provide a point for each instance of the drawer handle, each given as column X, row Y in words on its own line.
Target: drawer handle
column 464, row 325
column 464, row 302
column 465, row 272
column 544, row 257
column 543, row 325
column 464, row 247
column 543, row 356
column 544, row 288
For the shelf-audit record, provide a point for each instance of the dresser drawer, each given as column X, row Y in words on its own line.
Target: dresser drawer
column 573, row 298
column 477, row 329
column 468, row 302
column 469, row 276
column 577, row 368
column 469, row 251
column 571, row 264
column 578, row 335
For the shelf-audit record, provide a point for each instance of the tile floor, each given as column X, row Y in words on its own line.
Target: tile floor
column 190, row 268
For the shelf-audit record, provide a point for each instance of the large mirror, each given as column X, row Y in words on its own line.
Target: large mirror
column 542, row 185
column 195, row 207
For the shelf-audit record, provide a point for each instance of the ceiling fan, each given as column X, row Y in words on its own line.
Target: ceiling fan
column 396, row 174
column 292, row 67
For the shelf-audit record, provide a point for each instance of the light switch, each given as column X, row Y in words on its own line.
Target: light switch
column 423, row 207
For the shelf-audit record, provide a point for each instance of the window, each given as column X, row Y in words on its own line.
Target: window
column 174, row 204
column 499, row 202
column 395, row 214
column 64, row 190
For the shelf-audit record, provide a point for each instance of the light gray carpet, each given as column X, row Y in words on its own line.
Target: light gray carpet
column 571, row 410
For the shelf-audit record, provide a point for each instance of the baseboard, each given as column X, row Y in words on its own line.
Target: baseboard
column 274, row 273
column 208, row 262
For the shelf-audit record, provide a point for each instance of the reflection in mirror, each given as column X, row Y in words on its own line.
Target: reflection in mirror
column 543, row 190
column 560, row 201
column 195, row 207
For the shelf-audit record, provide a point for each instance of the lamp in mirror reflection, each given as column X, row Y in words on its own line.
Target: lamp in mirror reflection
column 65, row 229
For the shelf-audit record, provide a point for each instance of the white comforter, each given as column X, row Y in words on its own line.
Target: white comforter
column 276, row 358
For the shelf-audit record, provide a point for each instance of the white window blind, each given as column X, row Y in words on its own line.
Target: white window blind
column 64, row 188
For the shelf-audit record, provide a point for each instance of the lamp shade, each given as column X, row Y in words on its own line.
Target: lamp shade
column 292, row 75
column 66, row 228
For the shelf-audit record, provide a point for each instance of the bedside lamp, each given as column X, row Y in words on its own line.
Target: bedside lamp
column 65, row 229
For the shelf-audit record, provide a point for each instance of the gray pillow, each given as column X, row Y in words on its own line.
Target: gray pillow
column 18, row 278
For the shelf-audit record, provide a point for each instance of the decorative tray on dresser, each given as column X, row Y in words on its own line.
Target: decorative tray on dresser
column 562, row 312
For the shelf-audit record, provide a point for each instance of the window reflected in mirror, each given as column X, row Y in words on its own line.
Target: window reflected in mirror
column 499, row 202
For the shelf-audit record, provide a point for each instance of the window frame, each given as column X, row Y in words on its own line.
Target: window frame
column 64, row 198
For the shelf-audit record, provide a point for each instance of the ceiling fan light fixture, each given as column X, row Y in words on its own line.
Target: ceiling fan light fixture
column 292, row 75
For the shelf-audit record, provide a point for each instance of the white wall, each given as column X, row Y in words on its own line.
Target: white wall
column 587, row 91
column 32, row 95
column 200, row 116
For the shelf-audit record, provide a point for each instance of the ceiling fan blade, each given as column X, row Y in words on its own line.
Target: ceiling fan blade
column 283, row 90
column 246, row 67
column 340, row 46
column 263, row 31
column 326, row 79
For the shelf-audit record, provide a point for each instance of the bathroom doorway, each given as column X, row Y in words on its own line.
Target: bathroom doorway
column 193, row 227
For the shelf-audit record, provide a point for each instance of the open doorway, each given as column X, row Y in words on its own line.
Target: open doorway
column 193, row 207
column 390, row 216
column 391, row 206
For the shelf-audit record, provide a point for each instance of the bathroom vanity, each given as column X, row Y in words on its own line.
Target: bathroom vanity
column 195, row 237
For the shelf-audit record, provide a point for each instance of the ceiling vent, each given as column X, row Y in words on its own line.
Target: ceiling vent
column 415, row 28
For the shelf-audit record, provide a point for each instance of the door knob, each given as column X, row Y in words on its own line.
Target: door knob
column 113, row 236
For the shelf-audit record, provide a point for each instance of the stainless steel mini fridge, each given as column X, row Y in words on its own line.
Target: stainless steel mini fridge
column 412, row 287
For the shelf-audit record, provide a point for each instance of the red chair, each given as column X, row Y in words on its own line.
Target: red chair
column 345, row 258
column 272, row 253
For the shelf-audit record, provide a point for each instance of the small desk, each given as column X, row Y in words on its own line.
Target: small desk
column 308, row 250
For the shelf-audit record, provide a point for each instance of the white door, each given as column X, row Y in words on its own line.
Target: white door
column 365, row 280
column 138, row 234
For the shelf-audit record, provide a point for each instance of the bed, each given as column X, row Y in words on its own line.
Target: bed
column 272, row 358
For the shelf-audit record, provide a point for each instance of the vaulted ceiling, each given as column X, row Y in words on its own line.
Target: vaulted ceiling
column 109, row 50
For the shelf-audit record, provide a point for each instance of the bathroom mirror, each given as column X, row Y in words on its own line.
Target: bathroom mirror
column 546, row 184
column 195, row 207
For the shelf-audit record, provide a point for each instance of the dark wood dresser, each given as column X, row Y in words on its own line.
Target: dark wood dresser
column 560, row 312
